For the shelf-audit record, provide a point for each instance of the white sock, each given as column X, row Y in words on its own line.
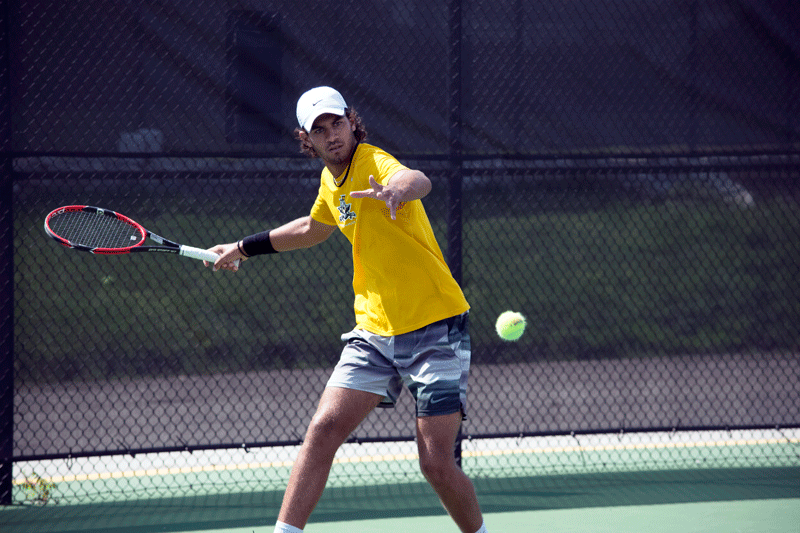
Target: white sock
column 482, row 529
column 280, row 527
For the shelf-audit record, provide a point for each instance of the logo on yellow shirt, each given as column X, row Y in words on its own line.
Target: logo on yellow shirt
column 345, row 210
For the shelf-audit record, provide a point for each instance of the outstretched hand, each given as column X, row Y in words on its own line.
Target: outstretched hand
column 382, row 193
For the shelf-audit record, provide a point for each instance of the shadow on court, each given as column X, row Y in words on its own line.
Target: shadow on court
column 411, row 500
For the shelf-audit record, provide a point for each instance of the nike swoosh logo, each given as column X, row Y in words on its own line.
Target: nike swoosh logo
column 315, row 103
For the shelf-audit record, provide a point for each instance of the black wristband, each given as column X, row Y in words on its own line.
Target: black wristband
column 258, row 244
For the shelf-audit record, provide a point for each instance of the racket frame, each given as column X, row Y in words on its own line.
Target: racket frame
column 167, row 246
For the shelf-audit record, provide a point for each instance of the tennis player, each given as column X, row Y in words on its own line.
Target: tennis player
column 411, row 315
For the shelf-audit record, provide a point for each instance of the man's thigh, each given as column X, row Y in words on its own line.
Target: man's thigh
column 341, row 410
column 436, row 435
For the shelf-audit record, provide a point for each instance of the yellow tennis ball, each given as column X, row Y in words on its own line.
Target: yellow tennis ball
column 510, row 325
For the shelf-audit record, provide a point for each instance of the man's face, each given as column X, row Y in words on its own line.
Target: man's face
column 333, row 139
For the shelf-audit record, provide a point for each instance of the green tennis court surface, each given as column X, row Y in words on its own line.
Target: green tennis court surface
column 747, row 499
column 684, row 482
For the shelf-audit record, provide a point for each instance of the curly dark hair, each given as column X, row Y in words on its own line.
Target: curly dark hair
column 307, row 148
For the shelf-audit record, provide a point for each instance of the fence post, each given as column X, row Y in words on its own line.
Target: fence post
column 454, row 189
column 6, row 265
column 6, row 335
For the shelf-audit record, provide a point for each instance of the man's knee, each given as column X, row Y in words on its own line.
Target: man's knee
column 438, row 469
column 326, row 429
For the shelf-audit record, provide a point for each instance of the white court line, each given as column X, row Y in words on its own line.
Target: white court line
column 622, row 447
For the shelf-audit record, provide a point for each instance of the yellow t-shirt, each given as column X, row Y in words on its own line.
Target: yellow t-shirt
column 400, row 279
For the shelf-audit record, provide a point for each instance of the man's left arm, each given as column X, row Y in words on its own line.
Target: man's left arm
column 404, row 186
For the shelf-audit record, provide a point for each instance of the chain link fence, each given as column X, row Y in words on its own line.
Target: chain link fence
column 625, row 174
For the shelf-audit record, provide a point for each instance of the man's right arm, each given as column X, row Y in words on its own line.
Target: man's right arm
column 303, row 232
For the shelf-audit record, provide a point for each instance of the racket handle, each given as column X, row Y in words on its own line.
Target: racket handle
column 198, row 253
column 202, row 255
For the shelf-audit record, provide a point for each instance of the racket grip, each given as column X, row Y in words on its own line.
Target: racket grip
column 202, row 255
column 198, row 253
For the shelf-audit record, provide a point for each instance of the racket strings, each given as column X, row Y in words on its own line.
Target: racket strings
column 95, row 230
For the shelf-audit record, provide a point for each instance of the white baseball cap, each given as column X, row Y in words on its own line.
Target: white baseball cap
column 316, row 102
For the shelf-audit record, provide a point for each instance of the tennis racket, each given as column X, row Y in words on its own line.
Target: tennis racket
column 101, row 231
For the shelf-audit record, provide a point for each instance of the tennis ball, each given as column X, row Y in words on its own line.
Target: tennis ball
column 510, row 325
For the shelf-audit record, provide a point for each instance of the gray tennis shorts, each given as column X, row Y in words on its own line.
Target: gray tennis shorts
column 433, row 362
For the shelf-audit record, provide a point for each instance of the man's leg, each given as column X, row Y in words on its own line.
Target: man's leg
column 436, row 436
column 339, row 413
